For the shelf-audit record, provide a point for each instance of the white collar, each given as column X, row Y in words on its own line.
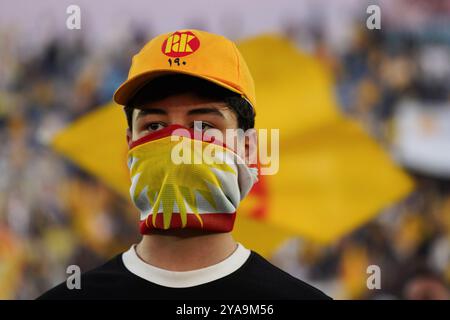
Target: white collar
column 184, row 279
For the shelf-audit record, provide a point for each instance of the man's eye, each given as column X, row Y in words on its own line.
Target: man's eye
column 200, row 125
column 154, row 126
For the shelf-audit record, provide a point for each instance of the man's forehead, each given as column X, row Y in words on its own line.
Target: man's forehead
column 213, row 108
column 185, row 105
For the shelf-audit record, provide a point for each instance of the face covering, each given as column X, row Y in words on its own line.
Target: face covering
column 180, row 180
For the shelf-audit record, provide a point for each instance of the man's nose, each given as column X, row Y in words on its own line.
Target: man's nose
column 179, row 120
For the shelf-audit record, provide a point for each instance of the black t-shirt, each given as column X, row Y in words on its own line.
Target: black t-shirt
column 255, row 278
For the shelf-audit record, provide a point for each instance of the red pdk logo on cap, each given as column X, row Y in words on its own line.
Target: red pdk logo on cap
column 180, row 44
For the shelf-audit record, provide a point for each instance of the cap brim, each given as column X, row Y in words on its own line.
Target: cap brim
column 131, row 86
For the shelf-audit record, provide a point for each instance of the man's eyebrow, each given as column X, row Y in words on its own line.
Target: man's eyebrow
column 205, row 111
column 144, row 112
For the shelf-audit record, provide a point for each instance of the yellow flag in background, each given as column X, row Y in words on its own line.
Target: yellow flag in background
column 333, row 177
column 97, row 143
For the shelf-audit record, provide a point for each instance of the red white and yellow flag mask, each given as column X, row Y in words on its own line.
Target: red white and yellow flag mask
column 201, row 193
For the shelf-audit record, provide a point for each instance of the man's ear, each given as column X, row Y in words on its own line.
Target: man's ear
column 129, row 136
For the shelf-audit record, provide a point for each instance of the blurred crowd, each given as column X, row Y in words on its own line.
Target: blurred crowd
column 53, row 214
column 410, row 242
column 51, row 211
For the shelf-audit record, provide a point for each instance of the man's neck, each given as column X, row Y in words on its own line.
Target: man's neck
column 184, row 250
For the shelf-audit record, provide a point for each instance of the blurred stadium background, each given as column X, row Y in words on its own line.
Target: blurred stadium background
column 364, row 118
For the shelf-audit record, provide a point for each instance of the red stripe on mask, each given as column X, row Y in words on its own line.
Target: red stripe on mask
column 215, row 222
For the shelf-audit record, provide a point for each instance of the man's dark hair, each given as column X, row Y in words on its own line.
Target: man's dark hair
column 165, row 86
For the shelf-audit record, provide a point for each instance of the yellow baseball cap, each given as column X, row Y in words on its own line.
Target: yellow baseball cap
column 193, row 52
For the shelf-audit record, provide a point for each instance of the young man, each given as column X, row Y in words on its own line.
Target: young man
column 194, row 81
